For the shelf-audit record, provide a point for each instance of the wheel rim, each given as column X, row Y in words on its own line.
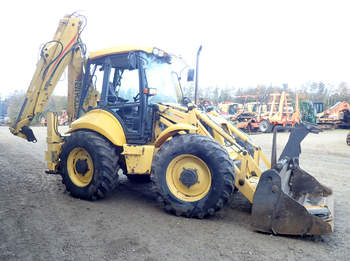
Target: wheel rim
column 80, row 167
column 264, row 126
column 188, row 165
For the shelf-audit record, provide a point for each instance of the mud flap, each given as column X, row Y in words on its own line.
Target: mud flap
column 276, row 212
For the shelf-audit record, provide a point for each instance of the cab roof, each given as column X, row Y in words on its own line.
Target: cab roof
column 120, row 49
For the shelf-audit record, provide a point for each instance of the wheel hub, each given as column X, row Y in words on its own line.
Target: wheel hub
column 82, row 166
column 189, row 177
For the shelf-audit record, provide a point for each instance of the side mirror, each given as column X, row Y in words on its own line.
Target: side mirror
column 150, row 91
column 190, row 75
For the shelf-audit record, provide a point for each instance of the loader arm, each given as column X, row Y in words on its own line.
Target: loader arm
column 285, row 198
column 66, row 49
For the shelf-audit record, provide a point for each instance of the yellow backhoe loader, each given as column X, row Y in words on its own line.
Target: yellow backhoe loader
column 127, row 114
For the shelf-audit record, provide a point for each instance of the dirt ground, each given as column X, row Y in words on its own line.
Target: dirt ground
column 40, row 221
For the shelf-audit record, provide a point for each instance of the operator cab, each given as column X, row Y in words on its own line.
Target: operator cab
column 130, row 82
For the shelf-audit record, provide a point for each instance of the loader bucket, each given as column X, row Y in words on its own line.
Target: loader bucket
column 290, row 201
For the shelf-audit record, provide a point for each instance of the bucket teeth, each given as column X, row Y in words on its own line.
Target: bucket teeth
column 322, row 212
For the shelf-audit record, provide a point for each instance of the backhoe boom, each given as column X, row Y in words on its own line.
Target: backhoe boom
column 65, row 49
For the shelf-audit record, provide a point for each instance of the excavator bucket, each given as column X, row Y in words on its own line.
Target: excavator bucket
column 287, row 199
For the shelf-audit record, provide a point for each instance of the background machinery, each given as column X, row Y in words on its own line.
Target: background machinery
column 264, row 116
column 280, row 112
column 337, row 115
column 3, row 112
column 308, row 112
column 127, row 114
column 229, row 109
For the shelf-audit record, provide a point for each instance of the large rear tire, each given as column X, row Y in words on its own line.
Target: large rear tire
column 265, row 126
column 193, row 176
column 89, row 165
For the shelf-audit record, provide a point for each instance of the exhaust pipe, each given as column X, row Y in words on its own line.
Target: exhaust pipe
column 196, row 82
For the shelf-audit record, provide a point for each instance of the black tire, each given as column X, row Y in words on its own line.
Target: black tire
column 348, row 139
column 265, row 126
column 137, row 178
column 105, row 165
column 220, row 167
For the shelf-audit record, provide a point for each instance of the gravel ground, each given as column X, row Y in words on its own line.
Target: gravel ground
column 40, row 221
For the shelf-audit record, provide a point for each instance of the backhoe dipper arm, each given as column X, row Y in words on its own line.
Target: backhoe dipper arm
column 65, row 48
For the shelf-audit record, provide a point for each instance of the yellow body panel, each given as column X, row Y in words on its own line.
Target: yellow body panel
column 138, row 158
column 177, row 114
column 54, row 142
column 102, row 122
column 119, row 49
column 248, row 188
column 171, row 131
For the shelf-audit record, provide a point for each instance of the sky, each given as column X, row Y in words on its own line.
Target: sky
column 245, row 43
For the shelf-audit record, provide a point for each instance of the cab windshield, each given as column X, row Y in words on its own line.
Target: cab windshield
column 159, row 75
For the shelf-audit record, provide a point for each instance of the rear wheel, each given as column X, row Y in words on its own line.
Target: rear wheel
column 265, row 126
column 89, row 165
column 348, row 139
column 193, row 175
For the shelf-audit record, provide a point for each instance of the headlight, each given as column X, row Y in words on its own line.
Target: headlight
column 158, row 52
column 155, row 51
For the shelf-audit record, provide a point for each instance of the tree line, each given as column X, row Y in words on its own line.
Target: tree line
column 15, row 100
column 314, row 91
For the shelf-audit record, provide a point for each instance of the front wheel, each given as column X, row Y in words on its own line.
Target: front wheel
column 193, row 175
column 89, row 165
column 348, row 139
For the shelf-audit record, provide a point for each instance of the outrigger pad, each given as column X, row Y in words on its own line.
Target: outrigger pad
column 308, row 212
column 28, row 132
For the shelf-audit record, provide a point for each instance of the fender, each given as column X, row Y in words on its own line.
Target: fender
column 171, row 131
column 102, row 122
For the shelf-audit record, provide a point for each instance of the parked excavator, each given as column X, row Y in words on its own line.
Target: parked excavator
column 337, row 116
column 127, row 114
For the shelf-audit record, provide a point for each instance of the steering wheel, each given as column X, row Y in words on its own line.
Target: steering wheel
column 114, row 95
column 186, row 100
column 120, row 99
column 137, row 97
